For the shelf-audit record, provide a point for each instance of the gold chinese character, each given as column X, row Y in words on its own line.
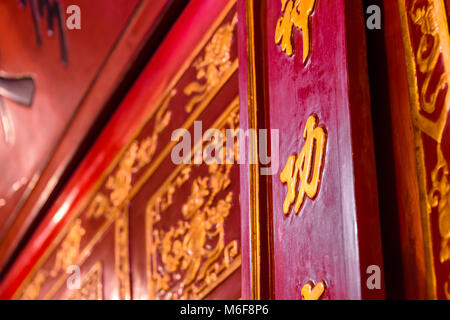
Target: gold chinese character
column 313, row 293
column 306, row 168
column 296, row 13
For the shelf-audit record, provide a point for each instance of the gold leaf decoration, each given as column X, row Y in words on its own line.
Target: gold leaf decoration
column 213, row 65
column 91, row 285
column 187, row 259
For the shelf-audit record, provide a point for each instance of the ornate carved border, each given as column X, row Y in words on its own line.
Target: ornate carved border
column 220, row 262
column 427, row 48
column 91, row 285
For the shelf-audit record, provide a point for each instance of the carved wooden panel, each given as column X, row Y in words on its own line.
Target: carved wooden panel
column 420, row 111
column 427, row 46
column 146, row 226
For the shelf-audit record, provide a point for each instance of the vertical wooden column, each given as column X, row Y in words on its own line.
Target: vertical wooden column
column 303, row 74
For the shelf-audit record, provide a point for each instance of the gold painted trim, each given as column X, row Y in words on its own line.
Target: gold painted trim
column 255, row 233
column 122, row 254
column 222, row 277
column 88, row 198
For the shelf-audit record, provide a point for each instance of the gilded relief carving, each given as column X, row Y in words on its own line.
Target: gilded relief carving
column 138, row 155
column 66, row 256
column 100, row 208
column 115, row 207
column 305, row 171
column 163, row 202
column 213, row 66
column 296, row 13
column 122, row 255
column 187, row 259
column 427, row 57
column 91, row 285
column 33, row 290
column 69, row 250
column 439, row 197
column 428, row 75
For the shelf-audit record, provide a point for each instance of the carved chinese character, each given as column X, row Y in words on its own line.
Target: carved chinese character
column 295, row 13
column 311, row 292
column 306, row 169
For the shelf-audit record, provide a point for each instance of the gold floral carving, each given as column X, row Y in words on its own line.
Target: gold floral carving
column 311, row 292
column 427, row 58
column 69, row 250
column 187, row 260
column 66, row 256
column 138, row 155
column 439, row 197
column 296, row 13
column 304, row 172
column 426, row 20
column 115, row 206
column 33, row 290
column 213, row 66
column 91, row 285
